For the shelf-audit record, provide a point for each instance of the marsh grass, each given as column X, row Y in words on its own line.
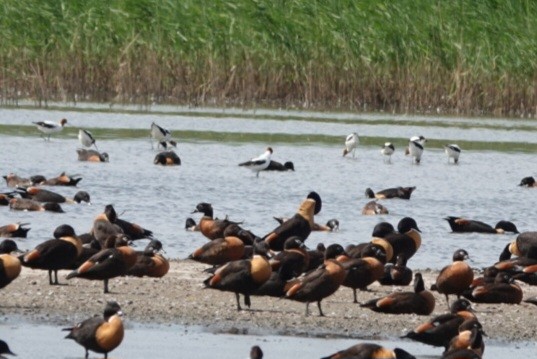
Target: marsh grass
column 407, row 56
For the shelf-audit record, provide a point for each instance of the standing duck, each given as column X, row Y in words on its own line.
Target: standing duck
column 277, row 166
column 420, row 301
column 14, row 230
column 351, row 143
column 210, row 227
column 243, row 276
column 100, row 335
column 521, row 246
column 86, row 138
column 300, row 224
column 10, row 266
column 456, row 277
column 460, row 225
column 294, row 256
column 361, row 272
column 259, row 163
column 49, row 127
column 108, row 263
column 387, row 151
column 398, row 273
column 370, row 351
column 54, row 254
column 150, row 262
column 415, row 148
column 452, row 151
column 439, row 330
column 219, row 251
column 407, row 241
column 320, row 283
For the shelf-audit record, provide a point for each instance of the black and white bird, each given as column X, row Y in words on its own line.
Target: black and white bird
column 162, row 136
column 387, row 151
column 86, row 139
column 452, row 151
column 351, row 142
column 415, row 148
column 259, row 163
column 49, row 127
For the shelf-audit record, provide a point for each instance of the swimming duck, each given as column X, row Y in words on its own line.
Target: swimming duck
column 190, row 225
column 14, row 230
column 528, row 182
column 61, row 180
column 10, row 265
column 462, row 225
column 439, row 330
column 219, row 251
column 243, row 276
column 43, row 195
column 420, row 301
column 277, row 166
column 259, row 163
column 452, row 151
column 14, row 181
column 49, row 127
column 86, row 138
column 160, row 134
column 24, row 204
column 210, row 227
column 503, row 290
column 387, row 151
column 373, row 208
column 407, row 241
column 351, row 143
column 5, row 197
column 398, row 273
column 108, row 263
column 100, row 335
column 397, row 192
column 256, row 352
column 320, row 283
column 150, row 262
column 461, row 354
column 167, row 158
column 470, row 336
column 456, row 277
column 85, row 155
column 370, row 351
column 4, row 349
column 54, row 254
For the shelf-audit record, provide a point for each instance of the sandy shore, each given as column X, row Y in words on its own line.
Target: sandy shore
column 179, row 298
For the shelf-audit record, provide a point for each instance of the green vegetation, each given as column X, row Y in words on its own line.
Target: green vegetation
column 464, row 56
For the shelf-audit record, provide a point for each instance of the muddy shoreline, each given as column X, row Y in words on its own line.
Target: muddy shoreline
column 179, row 298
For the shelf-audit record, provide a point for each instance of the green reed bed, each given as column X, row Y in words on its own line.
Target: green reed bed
column 466, row 56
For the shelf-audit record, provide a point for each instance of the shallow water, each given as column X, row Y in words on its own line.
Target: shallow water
column 483, row 186
column 174, row 341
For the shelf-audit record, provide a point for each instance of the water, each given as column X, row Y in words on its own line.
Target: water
column 173, row 341
column 483, row 186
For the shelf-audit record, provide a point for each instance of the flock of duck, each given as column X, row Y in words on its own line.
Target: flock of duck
column 277, row 264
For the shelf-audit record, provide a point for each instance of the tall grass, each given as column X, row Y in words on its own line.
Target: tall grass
column 464, row 56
